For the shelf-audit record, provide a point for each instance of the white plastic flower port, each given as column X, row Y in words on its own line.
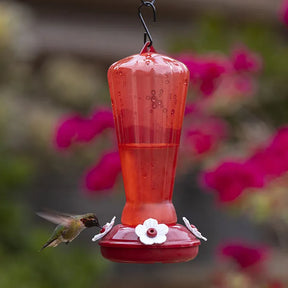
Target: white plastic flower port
column 151, row 232
column 193, row 229
column 105, row 230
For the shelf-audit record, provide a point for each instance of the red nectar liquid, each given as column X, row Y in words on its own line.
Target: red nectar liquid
column 148, row 173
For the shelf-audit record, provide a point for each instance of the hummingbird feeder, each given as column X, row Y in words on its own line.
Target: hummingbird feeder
column 148, row 92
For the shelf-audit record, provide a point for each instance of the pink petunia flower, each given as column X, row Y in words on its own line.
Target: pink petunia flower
column 280, row 139
column 273, row 159
column 190, row 108
column 66, row 132
column 275, row 284
column 230, row 179
column 244, row 60
column 104, row 174
column 102, row 119
column 283, row 12
column 77, row 129
column 204, row 134
column 205, row 72
column 244, row 85
column 245, row 255
column 271, row 163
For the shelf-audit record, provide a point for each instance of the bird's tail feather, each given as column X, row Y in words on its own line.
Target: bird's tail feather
column 51, row 243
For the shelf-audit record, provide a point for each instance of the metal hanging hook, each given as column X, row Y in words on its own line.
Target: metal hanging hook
column 147, row 33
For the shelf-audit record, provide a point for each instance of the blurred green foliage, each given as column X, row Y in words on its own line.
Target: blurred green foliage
column 22, row 265
column 25, row 143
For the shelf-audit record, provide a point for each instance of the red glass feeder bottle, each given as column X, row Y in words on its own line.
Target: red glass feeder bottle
column 148, row 93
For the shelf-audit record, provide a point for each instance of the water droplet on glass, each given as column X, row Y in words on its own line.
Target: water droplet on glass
column 186, row 82
column 172, row 111
column 154, row 105
column 153, row 92
column 153, row 98
column 148, row 97
column 164, row 110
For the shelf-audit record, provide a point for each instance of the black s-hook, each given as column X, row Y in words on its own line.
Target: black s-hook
column 147, row 33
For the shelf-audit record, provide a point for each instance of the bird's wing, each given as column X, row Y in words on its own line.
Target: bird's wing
column 57, row 218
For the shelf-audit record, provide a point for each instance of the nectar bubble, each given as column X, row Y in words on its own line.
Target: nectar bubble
column 153, row 98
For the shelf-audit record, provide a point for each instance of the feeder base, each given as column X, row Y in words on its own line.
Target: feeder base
column 122, row 244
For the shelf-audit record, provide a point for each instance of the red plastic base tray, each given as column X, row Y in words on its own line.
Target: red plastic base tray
column 122, row 244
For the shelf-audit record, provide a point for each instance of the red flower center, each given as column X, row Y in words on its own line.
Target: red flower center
column 151, row 232
column 102, row 230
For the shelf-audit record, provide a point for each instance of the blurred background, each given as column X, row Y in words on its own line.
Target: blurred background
column 58, row 149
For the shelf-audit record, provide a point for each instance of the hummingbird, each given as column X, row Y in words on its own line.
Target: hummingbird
column 68, row 226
